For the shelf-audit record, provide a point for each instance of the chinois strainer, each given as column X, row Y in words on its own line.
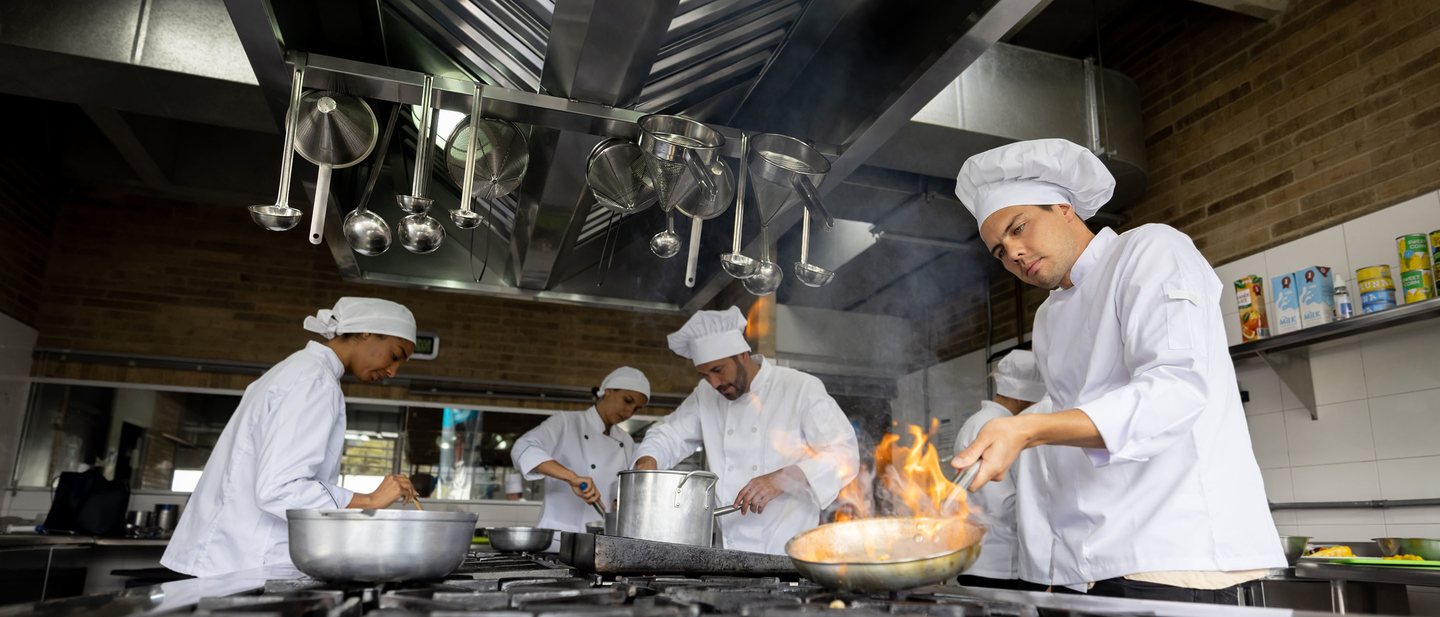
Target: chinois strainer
column 333, row 130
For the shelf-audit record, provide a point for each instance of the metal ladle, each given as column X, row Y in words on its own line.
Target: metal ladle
column 420, row 232
column 735, row 263
column 365, row 232
column 280, row 216
column 673, row 145
column 768, row 274
column 465, row 217
column 808, row 273
column 666, row 244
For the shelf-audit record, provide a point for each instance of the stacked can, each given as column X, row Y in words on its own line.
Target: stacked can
column 1435, row 252
column 1377, row 290
column 1417, row 279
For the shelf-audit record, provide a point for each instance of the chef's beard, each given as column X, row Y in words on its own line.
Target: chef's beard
column 741, row 385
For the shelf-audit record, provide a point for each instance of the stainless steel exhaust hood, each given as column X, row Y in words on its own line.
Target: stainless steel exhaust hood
column 844, row 74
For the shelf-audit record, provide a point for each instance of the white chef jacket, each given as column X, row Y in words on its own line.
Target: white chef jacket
column 1005, row 554
column 577, row 440
column 785, row 419
column 1138, row 345
column 280, row 451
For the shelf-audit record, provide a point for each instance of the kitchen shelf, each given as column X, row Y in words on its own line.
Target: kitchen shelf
column 1289, row 354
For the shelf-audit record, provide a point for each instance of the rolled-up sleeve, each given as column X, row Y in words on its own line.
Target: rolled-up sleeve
column 835, row 455
column 537, row 446
column 293, row 447
column 676, row 438
column 1163, row 304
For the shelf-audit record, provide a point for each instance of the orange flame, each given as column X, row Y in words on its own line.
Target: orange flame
column 912, row 477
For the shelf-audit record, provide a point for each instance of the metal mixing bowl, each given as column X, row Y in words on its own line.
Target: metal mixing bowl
column 1389, row 547
column 1424, row 548
column 520, row 539
column 1294, row 547
column 376, row 546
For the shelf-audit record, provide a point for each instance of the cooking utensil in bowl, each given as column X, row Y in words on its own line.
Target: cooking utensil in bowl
column 280, row 216
column 376, row 546
column 1425, row 548
column 365, row 231
column 886, row 554
column 735, row 263
column 521, row 539
column 1294, row 547
column 334, row 130
column 1389, row 547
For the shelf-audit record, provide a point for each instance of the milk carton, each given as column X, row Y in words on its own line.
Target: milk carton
column 1317, row 296
column 1286, row 316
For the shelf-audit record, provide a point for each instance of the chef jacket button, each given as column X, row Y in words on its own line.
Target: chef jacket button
column 730, row 468
column 730, row 432
column 587, row 436
column 752, row 467
column 592, row 466
column 754, row 430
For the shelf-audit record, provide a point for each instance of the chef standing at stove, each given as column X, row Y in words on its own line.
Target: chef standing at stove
column 782, row 447
column 580, row 454
column 1160, row 496
column 281, row 449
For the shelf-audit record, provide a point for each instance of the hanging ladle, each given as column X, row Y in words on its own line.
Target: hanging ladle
column 735, row 263
column 673, row 145
column 666, row 244
column 466, row 217
column 420, row 232
column 808, row 273
column 768, row 274
column 365, row 231
column 280, row 216
column 495, row 155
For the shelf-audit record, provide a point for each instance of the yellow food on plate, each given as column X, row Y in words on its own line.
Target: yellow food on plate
column 1405, row 558
column 1331, row 551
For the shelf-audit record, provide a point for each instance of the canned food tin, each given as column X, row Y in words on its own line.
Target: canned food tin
column 1434, row 251
column 1376, row 301
column 1418, row 284
column 1374, row 278
column 1414, row 252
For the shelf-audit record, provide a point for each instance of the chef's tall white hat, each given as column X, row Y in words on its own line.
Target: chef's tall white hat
column 1036, row 173
column 1018, row 377
column 711, row 335
column 355, row 315
column 626, row 378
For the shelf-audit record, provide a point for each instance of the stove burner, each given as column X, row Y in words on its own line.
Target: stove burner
column 509, row 586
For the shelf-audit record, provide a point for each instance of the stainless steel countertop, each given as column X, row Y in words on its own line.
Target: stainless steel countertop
column 23, row 540
column 1399, row 575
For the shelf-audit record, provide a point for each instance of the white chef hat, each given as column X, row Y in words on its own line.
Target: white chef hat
column 1038, row 172
column 711, row 335
column 1018, row 377
column 626, row 378
column 513, row 485
column 355, row 315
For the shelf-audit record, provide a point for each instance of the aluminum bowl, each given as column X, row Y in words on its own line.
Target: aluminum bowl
column 521, row 539
column 838, row 555
column 1389, row 547
column 1294, row 547
column 1424, row 548
column 376, row 546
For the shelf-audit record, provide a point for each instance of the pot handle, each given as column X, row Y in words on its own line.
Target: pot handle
column 725, row 510
column 687, row 477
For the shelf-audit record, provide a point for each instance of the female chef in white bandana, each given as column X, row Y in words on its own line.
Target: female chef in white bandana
column 580, row 454
column 780, row 444
column 1160, row 496
column 281, row 450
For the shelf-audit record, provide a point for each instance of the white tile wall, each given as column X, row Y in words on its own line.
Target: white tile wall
column 1378, row 432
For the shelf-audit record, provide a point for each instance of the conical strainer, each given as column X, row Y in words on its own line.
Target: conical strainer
column 673, row 145
column 333, row 130
column 615, row 171
column 501, row 156
column 777, row 165
column 698, row 204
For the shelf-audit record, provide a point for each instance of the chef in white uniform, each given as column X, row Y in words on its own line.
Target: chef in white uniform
column 782, row 447
column 281, row 449
column 580, row 454
column 1159, row 496
column 1018, row 386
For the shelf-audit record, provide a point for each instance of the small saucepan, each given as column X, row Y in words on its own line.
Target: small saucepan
column 520, row 539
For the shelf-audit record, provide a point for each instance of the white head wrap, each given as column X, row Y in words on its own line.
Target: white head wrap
column 626, row 378
column 1040, row 172
column 513, row 485
column 356, row 315
column 711, row 335
column 1018, row 377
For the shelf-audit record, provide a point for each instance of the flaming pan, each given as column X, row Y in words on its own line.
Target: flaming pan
column 888, row 554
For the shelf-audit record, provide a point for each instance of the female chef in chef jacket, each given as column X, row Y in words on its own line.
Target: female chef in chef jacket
column 580, row 454
column 281, row 449
column 1018, row 388
column 1159, row 495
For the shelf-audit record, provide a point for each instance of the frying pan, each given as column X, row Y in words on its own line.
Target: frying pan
column 889, row 554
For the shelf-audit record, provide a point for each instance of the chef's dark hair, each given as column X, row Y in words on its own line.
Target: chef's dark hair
column 596, row 392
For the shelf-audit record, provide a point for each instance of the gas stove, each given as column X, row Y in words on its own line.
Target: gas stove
column 526, row 586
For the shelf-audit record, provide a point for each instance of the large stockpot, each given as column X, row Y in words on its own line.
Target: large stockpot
column 667, row 506
column 376, row 546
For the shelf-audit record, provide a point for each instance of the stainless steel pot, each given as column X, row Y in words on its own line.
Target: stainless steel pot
column 667, row 506
column 520, row 539
column 377, row 546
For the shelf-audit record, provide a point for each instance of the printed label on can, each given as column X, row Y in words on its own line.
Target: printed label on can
column 1375, row 301
column 1418, row 284
column 1414, row 252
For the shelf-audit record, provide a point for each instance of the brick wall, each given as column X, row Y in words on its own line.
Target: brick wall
column 150, row 276
column 27, row 221
column 1258, row 133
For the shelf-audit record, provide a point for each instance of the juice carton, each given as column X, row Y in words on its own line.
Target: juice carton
column 1250, row 297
